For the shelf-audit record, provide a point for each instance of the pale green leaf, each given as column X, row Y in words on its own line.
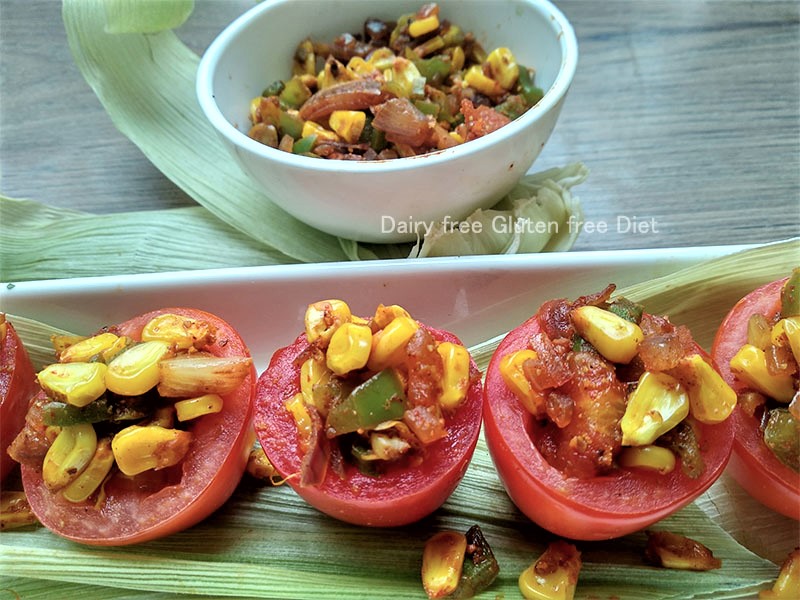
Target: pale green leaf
column 146, row 16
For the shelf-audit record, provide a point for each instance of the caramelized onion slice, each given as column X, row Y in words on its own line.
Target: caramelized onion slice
column 402, row 122
column 200, row 373
column 350, row 95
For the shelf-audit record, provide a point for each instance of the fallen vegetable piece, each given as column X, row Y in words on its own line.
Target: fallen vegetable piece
column 675, row 551
column 15, row 510
column 456, row 565
column 134, row 464
column 554, row 575
column 370, row 420
column 787, row 585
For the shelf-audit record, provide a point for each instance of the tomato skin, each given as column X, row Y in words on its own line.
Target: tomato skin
column 17, row 387
column 207, row 477
column 595, row 508
column 399, row 496
column 753, row 465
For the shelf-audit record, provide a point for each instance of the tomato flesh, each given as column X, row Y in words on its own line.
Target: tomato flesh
column 398, row 496
column 753, row 465
column 17, row 387
column 593, row 508
column 159, row 503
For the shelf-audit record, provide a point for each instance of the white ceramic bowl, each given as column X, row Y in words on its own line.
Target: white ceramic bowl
column 380, row 201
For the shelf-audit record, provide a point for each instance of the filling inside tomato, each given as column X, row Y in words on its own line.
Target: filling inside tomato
column 373, row 392
column 612, row 387
column 767, row 367
column 117, row 414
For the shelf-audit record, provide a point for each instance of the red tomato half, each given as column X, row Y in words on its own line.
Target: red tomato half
column 753, row 465
column 17, row 387
column 595, row 508
column 397, row 497
column 203, row 481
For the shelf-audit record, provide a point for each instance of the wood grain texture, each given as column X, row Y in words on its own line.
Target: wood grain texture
column 686, row 112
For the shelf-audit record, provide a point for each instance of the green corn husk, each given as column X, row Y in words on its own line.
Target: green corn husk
column 265, row 542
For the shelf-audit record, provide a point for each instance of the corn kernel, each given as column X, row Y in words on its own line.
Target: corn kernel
column 349, row 348
column 136, row 371
column 787, row 584
column 385, row 314
column 389, row 344
column 381, row 59
column 76, row 383
column 86, row 350
column 68, row 455
column 62, row 342
column 192, row 408
column 788, row 328
column 305, row 427
column 359, row 66
column 3, row 327
column 312, row 128
column 554, row 576
column 442, row 563
column 503, row 67
column 137, row 449
column 313, row 373
column 457, row 59
column 654, row 458
column 658, row 404
column 419, row 27
column 711, row 400
column 348, row 124
column 260, row 467
column 675, row 551
column 15, row 510
column 323, row 318
column 181, row 331
column 118, row 346
column 750, row 366
column 478, row 80
column 456, row 136
column 93, row 475
column 455, row 378
column 612, row 336
column 514, row 377
column 255, row 113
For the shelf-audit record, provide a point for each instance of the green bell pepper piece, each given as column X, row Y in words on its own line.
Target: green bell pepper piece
column 380, row 398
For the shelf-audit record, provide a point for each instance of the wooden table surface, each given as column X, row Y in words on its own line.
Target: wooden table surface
column 686, row 112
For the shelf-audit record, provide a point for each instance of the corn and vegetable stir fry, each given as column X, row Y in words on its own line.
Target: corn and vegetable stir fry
column 115, row 405
column 379, row 387
column 612, row 386
column 768, row 366
column 396, row 90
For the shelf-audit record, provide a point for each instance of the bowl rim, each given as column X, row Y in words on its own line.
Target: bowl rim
column 210, row 60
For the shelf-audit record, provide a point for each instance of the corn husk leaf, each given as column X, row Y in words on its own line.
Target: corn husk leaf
column 146, row 16
column 265, row 542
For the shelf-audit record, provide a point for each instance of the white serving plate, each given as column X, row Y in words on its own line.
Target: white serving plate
column 476, row 298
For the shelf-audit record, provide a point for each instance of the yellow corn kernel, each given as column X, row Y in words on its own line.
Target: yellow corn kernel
column 312, row 128
column 658, row 404
column 137, row 449
column 85, row 484
column 514, row 378
column 385, row 314
column 359, row 66
column 711, row 400
column 15, row 510
column 676, row 551
column 554, row 576
column 3, row 327
column 455, row 135
column 259, row 466
column 62, row 342
column 749, row 365
column 163, row 416
column 255, row 113
column 192, row 408
column 118, row 346
column 348, row 124
column 68, row 455
column 612, row 336
column 349, row 348
column 419, row 27
column 442, row 563
column 389, row 343
column 323, row 318
column 136, row 371
column 478, row 80
column 787, row 584
column 455, row 378
column 305, row 427
column 654, row 458
column 788, row 328
column 182, row 332
column 457, row 59
column 503, row 67
column 77, row 383
column 86, row 350
column 313, row 372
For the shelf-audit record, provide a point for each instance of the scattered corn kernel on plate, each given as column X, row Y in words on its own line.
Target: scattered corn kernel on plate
column 266, row 542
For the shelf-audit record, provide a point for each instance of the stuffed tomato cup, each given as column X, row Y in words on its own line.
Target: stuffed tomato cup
column 757, row 348
column 602, row 419
column 371, row 421
column 17, row 387
column 139, row 431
